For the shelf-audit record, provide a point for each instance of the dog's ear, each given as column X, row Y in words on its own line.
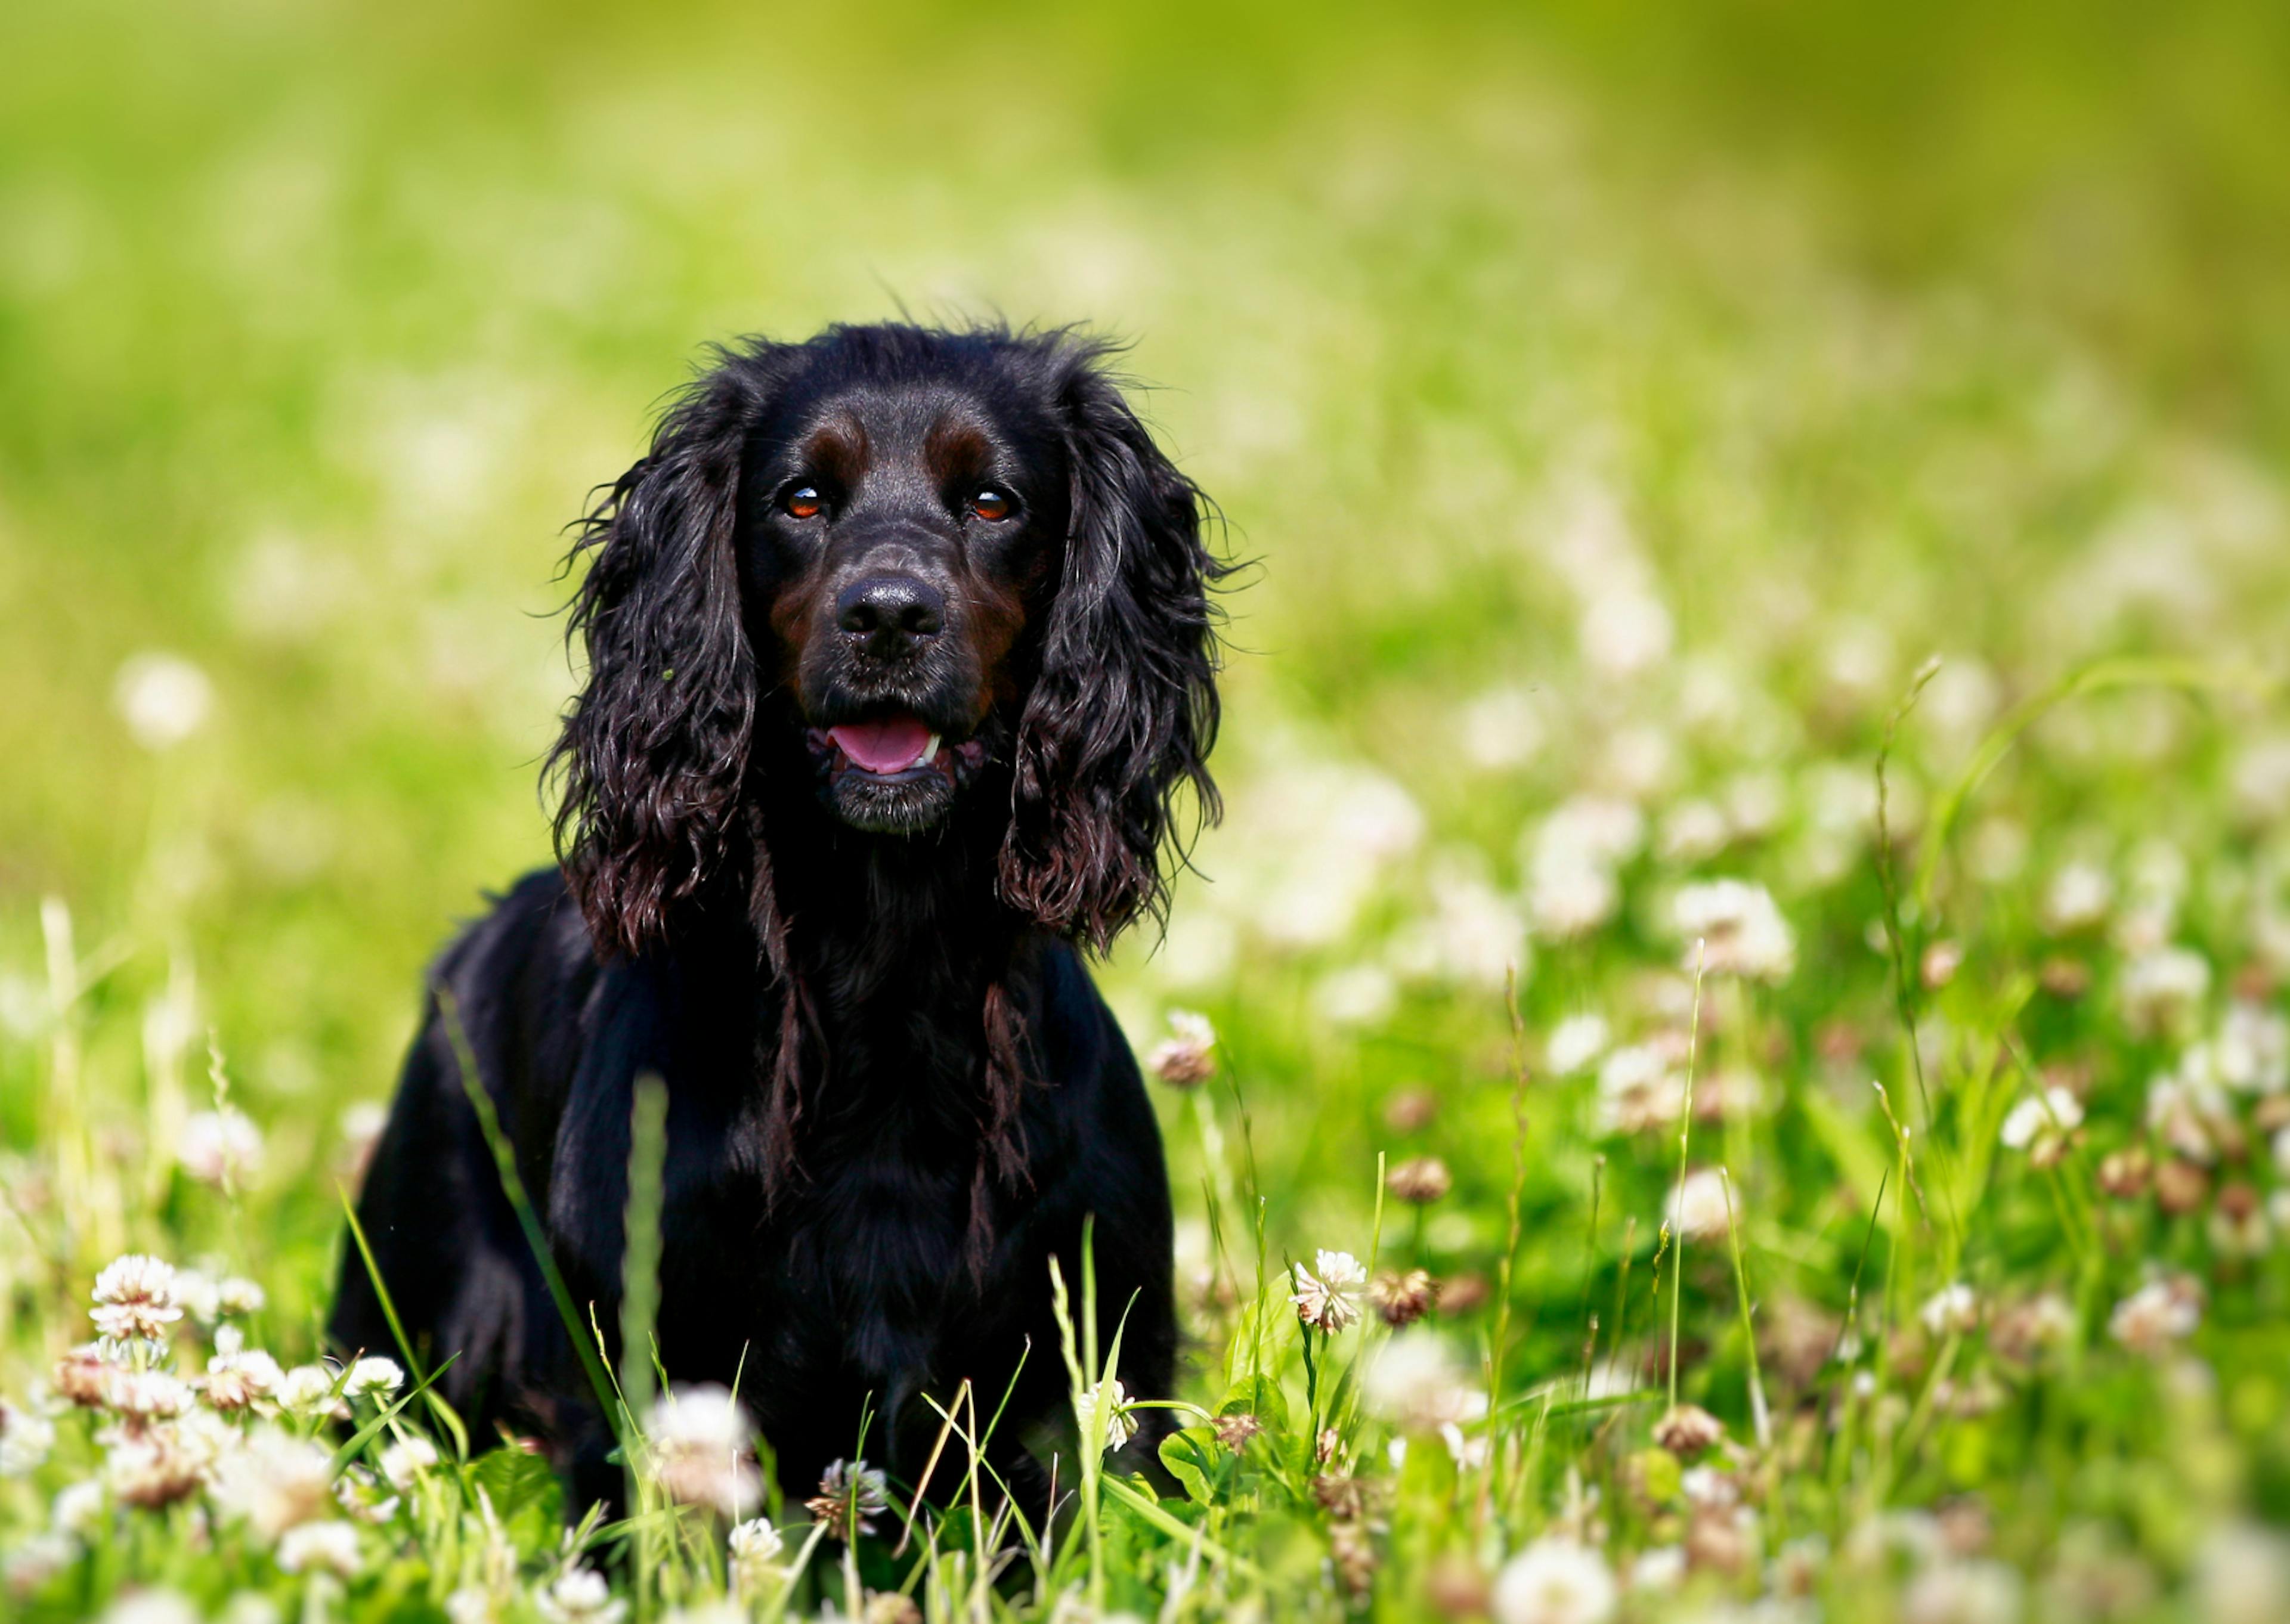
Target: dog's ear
column 655, row 748
column 1121, row 719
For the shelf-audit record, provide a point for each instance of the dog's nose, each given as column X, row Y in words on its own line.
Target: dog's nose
column 890, row 609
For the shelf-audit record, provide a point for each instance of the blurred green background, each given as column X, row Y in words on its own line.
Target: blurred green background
column 1613, row 397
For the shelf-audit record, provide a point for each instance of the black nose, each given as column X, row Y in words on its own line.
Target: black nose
column 888, row 608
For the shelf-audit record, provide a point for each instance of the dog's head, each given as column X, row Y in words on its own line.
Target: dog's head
column 917, row 566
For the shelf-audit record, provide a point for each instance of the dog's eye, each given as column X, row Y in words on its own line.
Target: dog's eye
column 804, row 502
column 990, row 503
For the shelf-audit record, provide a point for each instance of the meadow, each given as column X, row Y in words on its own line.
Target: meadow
column 1730, row 1059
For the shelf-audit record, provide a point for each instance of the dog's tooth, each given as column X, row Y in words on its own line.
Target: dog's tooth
column 930, row 752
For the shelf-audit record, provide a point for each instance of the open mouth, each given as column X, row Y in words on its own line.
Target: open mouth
column 891, row 773
column 890, row 748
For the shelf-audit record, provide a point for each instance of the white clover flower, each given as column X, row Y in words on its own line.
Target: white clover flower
column 1640, row 1091
column 1658, row 1568
column 1575, row 1043
column 239, row 1376
column 1554, row 1581
column 237, row 1297
column 373, row 1377
column 154, row 1605
column 1625, row 632
column 1961, row 1590
column 2252, row 1052
column 1954, row 1307
column 198, row 1294
column 1415, row 1384
column 275, row 1482
column 219, row 1146
column 2078, row 899
column 310, row 1548
column 147, row 1396
column 472, row 1604
column 2157, row 1315
column 580, row 1596
column 1733, row 927
column 154, row 1467
column 723, row 1609
column 135, row 1297
column 2242, row 1576
column 1501, row 728
column 1692, row 830
column 80, row 1510
column 1570, row 888
column 358, row 1492
column 407, row 1460
column 1709, row 1485
column 1120, row 1425
column 2041, row 1124
column 1567, row 895
column 2192, row 1117
column 162, row 697
column 35, row 1559
column 1470, row 935
column 1698, row 1207
column 754, row 1550
column 1600, row 829
column 2162, row 991
column 1610, row 1378
column 701, row 1449
column 25, row 1440
column 1327, row 1295
column 307, row 1391
column 1187, row 1057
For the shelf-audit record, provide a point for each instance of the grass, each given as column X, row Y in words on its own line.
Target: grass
column 1621, row 408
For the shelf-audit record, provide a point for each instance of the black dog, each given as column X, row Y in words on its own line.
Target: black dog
column 900, row 665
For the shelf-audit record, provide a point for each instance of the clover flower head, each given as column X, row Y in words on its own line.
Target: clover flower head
column 314, row 1547
column 1327, row 1294
column 1420, row 1180
column 1187, row 1057
column 1120, row 1425
column 2158, row 1314
column 1555, row 1582
column 308, row 1391
column 2043, row 1124
column 850, row 1494
column 220, row 1148
column 405, row 1460
column 580, row 1596
column 1701, row 1206
column 700, row 1453
column 135, row 1297
column 1740, row 930
column 373, row 1377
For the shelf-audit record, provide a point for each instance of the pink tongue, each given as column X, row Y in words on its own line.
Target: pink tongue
column 887, row 746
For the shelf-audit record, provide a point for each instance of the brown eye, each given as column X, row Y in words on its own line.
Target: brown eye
column 804, row 502
column 990, row 504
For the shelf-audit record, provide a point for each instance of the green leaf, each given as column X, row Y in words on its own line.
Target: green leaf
column 1190, row 1455
column 525, row 1495
column 1260, row 1398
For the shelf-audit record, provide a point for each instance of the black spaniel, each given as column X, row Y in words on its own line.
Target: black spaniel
column 900, row 677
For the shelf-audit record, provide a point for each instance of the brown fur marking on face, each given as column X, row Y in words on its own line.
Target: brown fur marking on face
column 840, row 449
column 957, row 448
column 997, row 615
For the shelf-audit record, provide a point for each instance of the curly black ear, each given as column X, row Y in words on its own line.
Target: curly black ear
column 655, row 748
column 1125, row 711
